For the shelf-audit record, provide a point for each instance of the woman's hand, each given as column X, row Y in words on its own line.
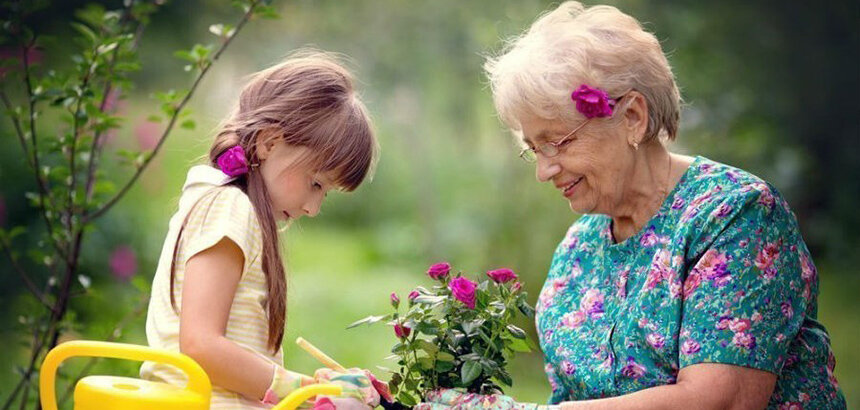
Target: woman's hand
column 446, row 399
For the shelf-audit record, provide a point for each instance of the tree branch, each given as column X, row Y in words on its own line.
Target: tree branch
column 30, row 285
column 173, row 118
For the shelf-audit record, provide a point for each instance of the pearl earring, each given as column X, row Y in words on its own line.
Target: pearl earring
column 636, row 146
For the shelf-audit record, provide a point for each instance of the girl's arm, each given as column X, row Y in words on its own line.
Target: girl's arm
column 701, row 386
column 211, row 278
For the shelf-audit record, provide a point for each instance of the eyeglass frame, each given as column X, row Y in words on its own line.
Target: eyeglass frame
column 557, row 145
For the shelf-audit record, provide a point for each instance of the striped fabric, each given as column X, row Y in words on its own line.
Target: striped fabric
column 213, row 212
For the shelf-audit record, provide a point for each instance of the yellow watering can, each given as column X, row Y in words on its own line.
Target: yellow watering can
column 128, row 393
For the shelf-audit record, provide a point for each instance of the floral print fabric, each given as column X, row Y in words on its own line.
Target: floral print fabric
column 720, row 274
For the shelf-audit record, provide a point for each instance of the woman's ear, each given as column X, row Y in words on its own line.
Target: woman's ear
column 635, row 116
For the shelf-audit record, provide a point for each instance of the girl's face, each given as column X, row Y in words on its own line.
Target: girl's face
column 295, row 188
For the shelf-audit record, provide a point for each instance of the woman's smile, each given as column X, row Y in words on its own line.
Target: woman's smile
column 568, row 189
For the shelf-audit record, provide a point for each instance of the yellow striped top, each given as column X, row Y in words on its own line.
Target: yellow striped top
column 213, row 212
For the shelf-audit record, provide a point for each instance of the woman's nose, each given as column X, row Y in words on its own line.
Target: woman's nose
column 545, row 168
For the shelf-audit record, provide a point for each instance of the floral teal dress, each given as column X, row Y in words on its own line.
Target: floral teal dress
column 719, row 275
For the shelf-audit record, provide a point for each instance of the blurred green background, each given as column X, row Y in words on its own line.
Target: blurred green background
column 770, row 87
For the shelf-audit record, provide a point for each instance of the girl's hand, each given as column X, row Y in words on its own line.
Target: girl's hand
column 450, row 399
column 356, row 385
column 283, row 383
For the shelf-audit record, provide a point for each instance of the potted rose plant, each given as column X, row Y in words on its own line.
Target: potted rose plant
column 457, row 333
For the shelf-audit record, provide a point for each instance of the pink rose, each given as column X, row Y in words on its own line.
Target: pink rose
column 232, row 162
column 412, row 295
column 690, row 346
column 516, row 287
column 463, row 290
column 592, row 303
column 712, row 265
column 503, row 275
column 395, row 301
column 592, row 102
column 402, row 331
column 439, row 270
column 766, row 256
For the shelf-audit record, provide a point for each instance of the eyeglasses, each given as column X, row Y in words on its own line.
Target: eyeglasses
column 549, row 149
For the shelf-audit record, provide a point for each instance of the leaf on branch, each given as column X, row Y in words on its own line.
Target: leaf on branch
column 470, row 371
column 516, row 332
column 368, row 320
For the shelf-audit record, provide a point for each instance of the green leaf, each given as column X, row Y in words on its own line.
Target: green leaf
column 516, row 332
column 188, row 124
column 519, row 345
column 368, row 320
column 444, row 366
column 445, row 357
column 470, row 371
column 472, row 326
column 428, row 347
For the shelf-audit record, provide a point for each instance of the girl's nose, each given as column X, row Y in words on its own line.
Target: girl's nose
column 546, row 168
column 312, row 207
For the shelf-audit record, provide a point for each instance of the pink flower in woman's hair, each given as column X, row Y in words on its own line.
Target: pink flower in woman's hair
column 232, row 162
column 402, row 331
column 439, row 270
column 592, row 102
column 123, row 262
column 503, row 275
column 463, row 290
column 395, row 300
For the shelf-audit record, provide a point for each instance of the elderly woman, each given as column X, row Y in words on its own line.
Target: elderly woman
column 686, row 282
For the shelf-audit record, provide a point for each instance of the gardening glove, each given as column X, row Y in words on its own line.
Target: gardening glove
column 450, row 399
column 356, row 385
column 283, row 383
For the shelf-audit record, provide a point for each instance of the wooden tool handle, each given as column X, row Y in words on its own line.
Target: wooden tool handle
column 319, row 355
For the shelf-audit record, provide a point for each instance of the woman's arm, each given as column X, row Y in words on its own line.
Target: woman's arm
column 211, row 278
column 701, row 386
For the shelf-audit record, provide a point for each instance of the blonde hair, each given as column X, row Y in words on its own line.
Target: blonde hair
column 307, row 100
column 573, row 45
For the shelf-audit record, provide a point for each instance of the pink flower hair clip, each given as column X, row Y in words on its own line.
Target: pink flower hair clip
column 592, row 102
column 233, row 162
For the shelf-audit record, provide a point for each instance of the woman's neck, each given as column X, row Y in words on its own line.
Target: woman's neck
column 645, row 190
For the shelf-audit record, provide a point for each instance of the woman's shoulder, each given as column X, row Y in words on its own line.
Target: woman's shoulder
column 718, row 185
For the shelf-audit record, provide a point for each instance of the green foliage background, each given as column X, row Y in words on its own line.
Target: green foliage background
column 769, row 87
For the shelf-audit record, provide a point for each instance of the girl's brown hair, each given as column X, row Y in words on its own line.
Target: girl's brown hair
column 307, row 100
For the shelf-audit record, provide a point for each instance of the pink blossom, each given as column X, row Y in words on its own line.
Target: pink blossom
column 402, row 331
column 573, row 319
column 633, row 370
column 412, row 295
column 723, row 323
column 123, row 262
column 439, row 270
column 691, row 283
column 395, row 300
column 655, row 339
column 649, row 238
column 744, row 340
column 712, row 265
column 463, row 290
column 767, row 255
column 568, row 367
column 148, row 134
column 739, row 325
column 503, row 275
column 592, row 102
column 516, row 287
column 592, row 303
column 690, row 346
column 787, row 310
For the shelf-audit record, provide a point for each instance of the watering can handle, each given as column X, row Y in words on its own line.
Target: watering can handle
column 198, row 381
column 298, row 396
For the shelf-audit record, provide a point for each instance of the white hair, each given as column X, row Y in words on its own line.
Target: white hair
column 572, row 45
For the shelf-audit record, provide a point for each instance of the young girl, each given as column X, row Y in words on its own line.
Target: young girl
column 219, row 294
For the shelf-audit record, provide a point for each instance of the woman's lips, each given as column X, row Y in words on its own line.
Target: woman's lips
column 570, row 189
